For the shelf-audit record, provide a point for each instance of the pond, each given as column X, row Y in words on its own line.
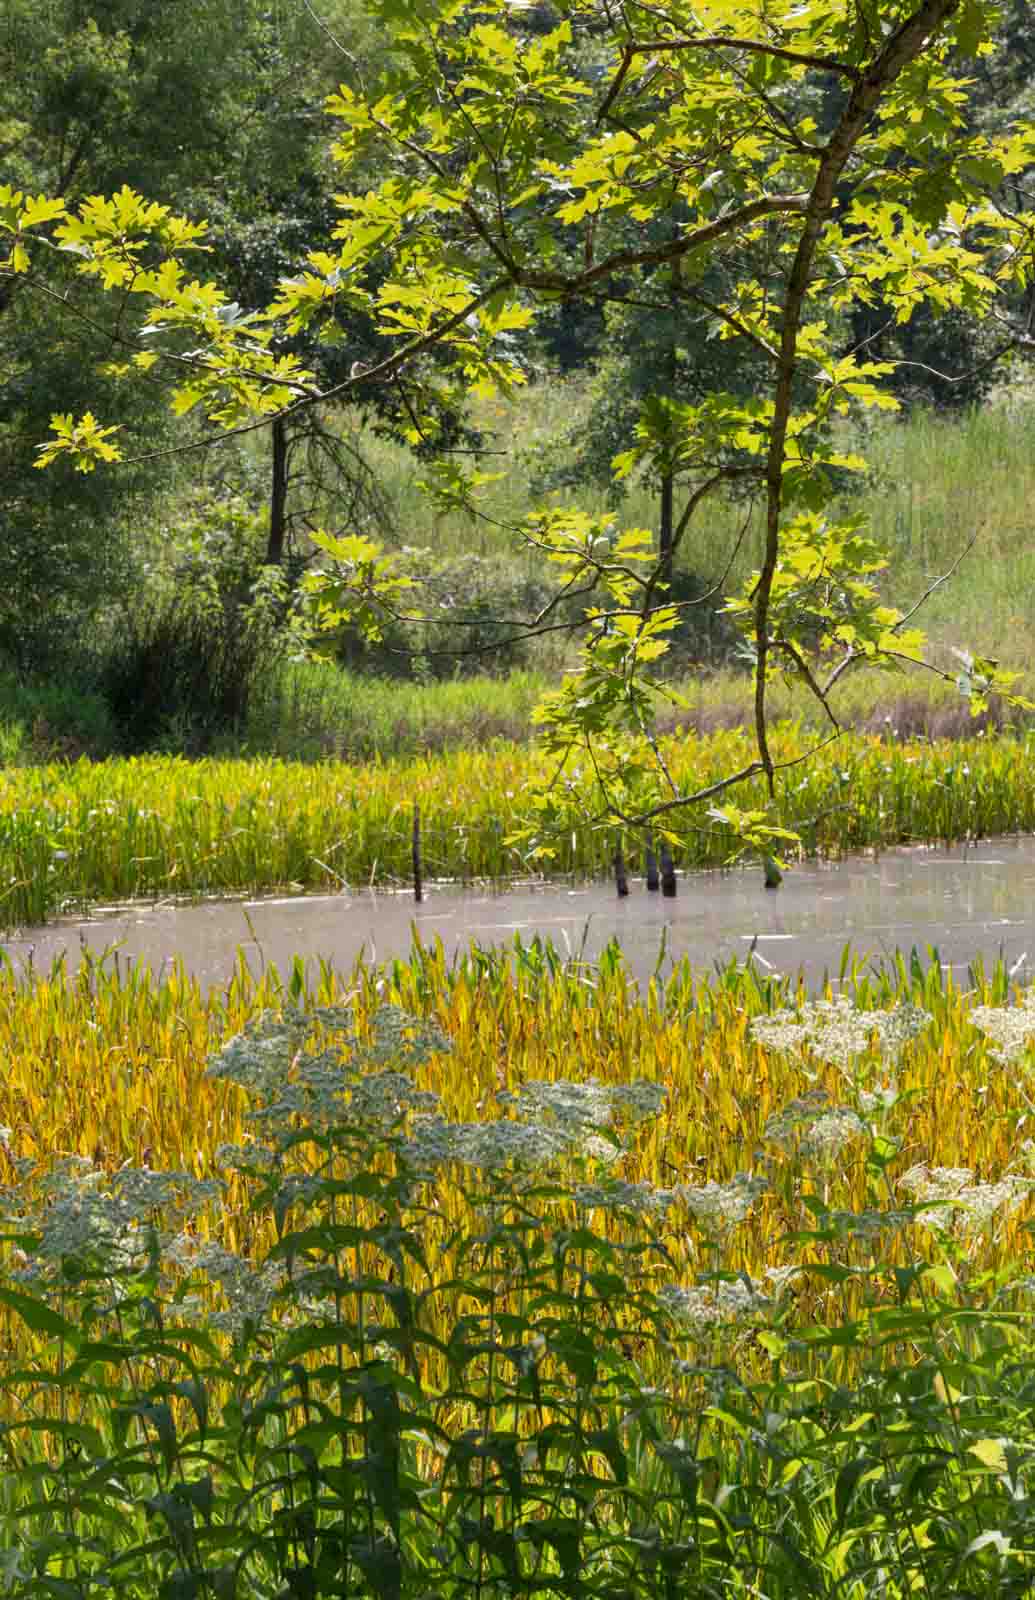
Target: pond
column 968, row 901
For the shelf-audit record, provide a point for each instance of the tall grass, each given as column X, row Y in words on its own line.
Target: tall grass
column 153, row 826
column 110, row 1064
column 937, row 482
column 306, row 711
column 660, row 1322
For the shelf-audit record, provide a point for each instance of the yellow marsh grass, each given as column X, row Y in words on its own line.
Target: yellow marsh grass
column 163, row 825
column 113, row 1067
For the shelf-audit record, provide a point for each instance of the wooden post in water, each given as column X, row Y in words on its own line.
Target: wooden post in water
column 668, row 872
column 651, row 864
column 621, row 881
column 418, row 882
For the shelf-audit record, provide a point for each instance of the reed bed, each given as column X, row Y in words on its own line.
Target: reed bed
column 473, row 1372
column 111, row 1065
column 77, row 834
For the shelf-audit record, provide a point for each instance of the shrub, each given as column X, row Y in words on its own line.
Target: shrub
column 184, row 664
column 51, row 717
column 478, row 604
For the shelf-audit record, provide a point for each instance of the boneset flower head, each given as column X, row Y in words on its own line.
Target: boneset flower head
column 614, row 1194
column 952, row 1199
column 721, row 1207
column 811, row 1127
column 1011, row 1028
column 350, row 1080
column 708, row 1308
column 837, row 1032
column 114, row 1223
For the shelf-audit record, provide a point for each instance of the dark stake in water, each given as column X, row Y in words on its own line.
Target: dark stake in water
column 974, row 902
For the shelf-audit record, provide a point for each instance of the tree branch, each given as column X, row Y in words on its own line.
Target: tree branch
column 904, row 45
column 720, row 41
column 765, row 206
column 719, row 787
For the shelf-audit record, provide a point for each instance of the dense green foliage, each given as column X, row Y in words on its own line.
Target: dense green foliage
column 762, row 182
column 214, row 104
column 387, row 1340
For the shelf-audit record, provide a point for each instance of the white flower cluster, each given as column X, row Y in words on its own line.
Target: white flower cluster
column 488, row 1145
column 881, row 1098
column 638, row 1100
column 250, row 1157
column 553, row 1119
column 709, row 1308
column 113, row 1223
column 600, row 1149
column 324, row 1088
column 430, row 1142
column 825, row 1138
column 496, row 1144
column 813, row 1128
column 836, row 1031
column 577, row 1107
column 951, row 1198
column 614, row 1194
column 379, row 1099
column 402, row 1039
column 581, row 1107
column 259, row 1058
column 867, row 1225
column 898, row 1027
column 248, row 1290
column 1011, row 1028
column 721, row 1207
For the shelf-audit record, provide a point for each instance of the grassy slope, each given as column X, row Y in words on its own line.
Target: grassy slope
column 937, row 482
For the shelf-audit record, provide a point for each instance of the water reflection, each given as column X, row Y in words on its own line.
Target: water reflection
column 969, row 902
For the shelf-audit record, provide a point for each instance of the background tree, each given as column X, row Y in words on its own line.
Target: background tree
column 218, row 105
column 491, row 139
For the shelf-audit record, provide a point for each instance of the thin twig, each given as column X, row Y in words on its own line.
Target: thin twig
column 719, row 787
column 719, row 41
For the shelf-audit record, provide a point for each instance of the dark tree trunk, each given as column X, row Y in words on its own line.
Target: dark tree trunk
column 278, row 496
column 418, row 874
column 621, row 880
column 665, row 527
column 668, row 871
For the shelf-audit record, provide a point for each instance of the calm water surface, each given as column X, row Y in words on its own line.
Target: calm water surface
column 978, row 901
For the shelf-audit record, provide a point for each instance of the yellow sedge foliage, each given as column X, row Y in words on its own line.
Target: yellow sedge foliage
column 112, row 1066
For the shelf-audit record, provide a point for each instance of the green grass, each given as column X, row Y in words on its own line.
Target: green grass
column 390, row 1360
column 937, row 482
column 305, row 711
column 314, row 711
column 154, row 826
